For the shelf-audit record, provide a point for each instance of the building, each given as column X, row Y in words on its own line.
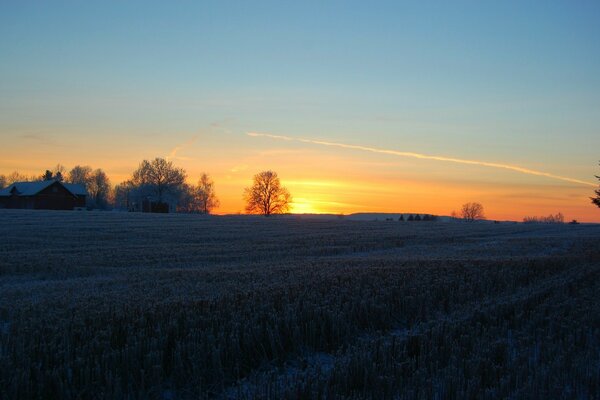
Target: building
column 43, row 195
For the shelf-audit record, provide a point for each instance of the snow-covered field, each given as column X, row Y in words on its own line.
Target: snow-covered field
column 123, row 305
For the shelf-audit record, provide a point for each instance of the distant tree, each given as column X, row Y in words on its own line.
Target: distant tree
column 550, row 219
column 122, row 196
column 417, row 217
column 410, row 218
column 80, row 174
column 59, row 172
column 454, row 214
column 426, row 217
column 401, row 218
column 56, row 174
column 186, row 201
column 99, row 189
column 266, row 196
column 17, row 177
column 96, row 183
column 596, row 200
column 205, row 194
column 3, row 182
column 472, row 211
column 159, row 178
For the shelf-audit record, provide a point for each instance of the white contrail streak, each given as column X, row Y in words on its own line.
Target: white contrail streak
column 423, row 156
column 173, row 154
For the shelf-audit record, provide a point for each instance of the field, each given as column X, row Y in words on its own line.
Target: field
column 124, row 305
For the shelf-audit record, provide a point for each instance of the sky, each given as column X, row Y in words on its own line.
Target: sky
column 234, row 88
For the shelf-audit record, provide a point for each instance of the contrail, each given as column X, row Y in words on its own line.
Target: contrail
column 423, row 156
column 173, row 153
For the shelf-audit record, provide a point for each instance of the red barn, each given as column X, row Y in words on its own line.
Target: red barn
column 43, row 195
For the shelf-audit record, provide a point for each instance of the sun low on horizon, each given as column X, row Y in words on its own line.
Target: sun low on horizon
column 391, row 107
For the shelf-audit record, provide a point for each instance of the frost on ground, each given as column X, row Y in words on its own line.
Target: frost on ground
column 115, row 305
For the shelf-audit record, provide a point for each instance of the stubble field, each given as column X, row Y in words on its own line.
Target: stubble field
column 123, row 305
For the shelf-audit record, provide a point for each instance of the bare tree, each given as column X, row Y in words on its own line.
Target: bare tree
column 596, row 200
column 98, row 187
column 187, row 201
column 472, row 211
column 17, row 177
column 159, row 178
column 205, row 194
column 3, row 182
column 80, row 174
column 122, row 196
column 96, row 183
column 266, row 196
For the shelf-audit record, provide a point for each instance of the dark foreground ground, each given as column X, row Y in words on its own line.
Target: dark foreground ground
column 116, row 305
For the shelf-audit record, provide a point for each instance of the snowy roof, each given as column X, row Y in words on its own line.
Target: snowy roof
column 76, row 188
column 26, row 188
column 32, row 188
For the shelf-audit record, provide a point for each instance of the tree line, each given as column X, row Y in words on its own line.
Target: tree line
column 157, row 185
column 157, row 181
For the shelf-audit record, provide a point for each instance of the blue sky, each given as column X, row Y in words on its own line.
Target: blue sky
column 114, row 82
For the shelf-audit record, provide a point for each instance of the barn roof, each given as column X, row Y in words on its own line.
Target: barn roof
column 76, row 188
column 32, row 188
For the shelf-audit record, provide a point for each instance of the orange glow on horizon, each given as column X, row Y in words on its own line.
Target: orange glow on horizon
column 304, row 206
column 329, row 182
column 500, row 203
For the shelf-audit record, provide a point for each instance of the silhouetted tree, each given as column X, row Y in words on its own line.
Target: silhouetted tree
column 205, row 194
column 159, row 178
column 15, row 176
column 186, row 201
column 550, row 219
column 56, row 174
column 417, row 217
column 410, row 218
column 596, row 200
column 80, row 174
column 472, row 211
column 3, row 182
column 426, row 217
column 96, row 183
column 401, row 218
column 98, row 187
column 122, row 193
column 59, row 172
column 266, row 196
